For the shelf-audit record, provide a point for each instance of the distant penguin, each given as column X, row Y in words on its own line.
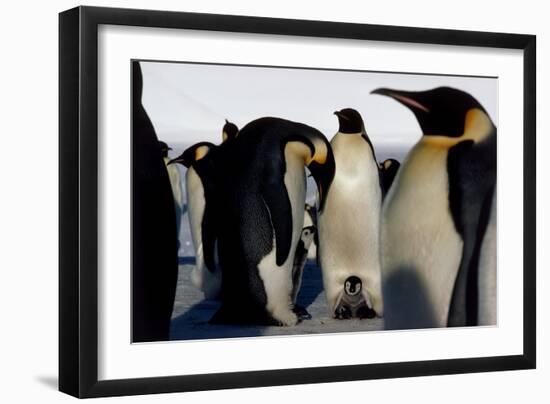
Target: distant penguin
column 175, row 183
column 154, row 237
column 310, row 219
column 351, row 303
column 262, row 215
column 388, row 171
column 300, row 259
column 200, row 188
column 436, row 213
column 349, row 224
column 229, row 131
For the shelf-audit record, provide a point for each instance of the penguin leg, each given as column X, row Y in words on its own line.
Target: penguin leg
column 301, row 312
column 277, row 283
column 364, row 311
column 342, row 312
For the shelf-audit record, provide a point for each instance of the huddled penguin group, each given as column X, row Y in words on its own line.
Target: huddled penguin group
column 411, row 242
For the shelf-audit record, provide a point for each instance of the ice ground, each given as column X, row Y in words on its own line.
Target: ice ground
column 191, row 312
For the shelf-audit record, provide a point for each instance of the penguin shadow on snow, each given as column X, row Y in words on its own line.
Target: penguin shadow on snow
column 193, row 322
column 406, row 303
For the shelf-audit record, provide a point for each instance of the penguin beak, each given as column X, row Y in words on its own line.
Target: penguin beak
column 323, row 174
column 408, row 98
column 341, row 115
column 178, row 160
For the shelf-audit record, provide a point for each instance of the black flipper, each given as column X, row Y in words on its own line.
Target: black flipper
column 275, row 196
column 472, row 178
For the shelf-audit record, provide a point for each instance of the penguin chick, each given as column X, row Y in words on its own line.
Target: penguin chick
column 300, row 259
column 351, row 302
column 349, row 225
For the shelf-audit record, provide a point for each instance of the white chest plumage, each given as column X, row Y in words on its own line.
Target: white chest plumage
column 418, row 236
column 277, row 280
column 202, row 278
column 349, row 223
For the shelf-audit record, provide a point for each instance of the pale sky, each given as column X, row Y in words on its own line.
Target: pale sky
column 189, row 102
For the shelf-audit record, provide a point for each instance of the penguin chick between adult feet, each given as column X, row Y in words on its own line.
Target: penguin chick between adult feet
column 436, row 213
column 263, row 215
column 349, row 225
column 351, row 303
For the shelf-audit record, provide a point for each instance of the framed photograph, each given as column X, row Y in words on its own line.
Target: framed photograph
column 251, row 201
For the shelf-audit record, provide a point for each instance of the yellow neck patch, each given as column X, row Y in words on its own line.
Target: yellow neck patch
column 200, row 152
column 477, row 126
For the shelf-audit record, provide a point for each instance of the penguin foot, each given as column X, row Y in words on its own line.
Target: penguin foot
column 301, row 312
column 285, row 319
column 342, row 313
column 365, row 312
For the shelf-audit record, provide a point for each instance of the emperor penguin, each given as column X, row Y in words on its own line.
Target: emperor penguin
column 388, row 171
column 175, row 183
column 349, row 225
column 200, row 188
column 300, row 259
column 229, row 131
column 261, row 216
column 154, row 237
column 351, row 302
column 436, row 214
column 310, row 219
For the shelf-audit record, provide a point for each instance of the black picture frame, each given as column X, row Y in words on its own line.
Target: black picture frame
column 78, row 200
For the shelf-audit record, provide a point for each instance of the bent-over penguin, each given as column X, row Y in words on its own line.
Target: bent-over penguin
column 262, row 215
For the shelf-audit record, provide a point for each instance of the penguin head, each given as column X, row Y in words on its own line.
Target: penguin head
column 350, row 121
column 229, row 131
column 386, row 164
column 322, row 167
column 164, row 148
column 442, row 111
column 353, row 285
column 193, row 154
column 308, row 233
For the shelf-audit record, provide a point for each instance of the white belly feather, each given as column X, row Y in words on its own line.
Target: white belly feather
column 202, row 278
column 419, row 238
column 277, row 280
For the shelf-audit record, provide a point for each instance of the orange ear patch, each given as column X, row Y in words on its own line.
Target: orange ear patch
column 200, row 152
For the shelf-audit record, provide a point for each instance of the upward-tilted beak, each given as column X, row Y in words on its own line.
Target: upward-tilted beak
column 407, row 98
